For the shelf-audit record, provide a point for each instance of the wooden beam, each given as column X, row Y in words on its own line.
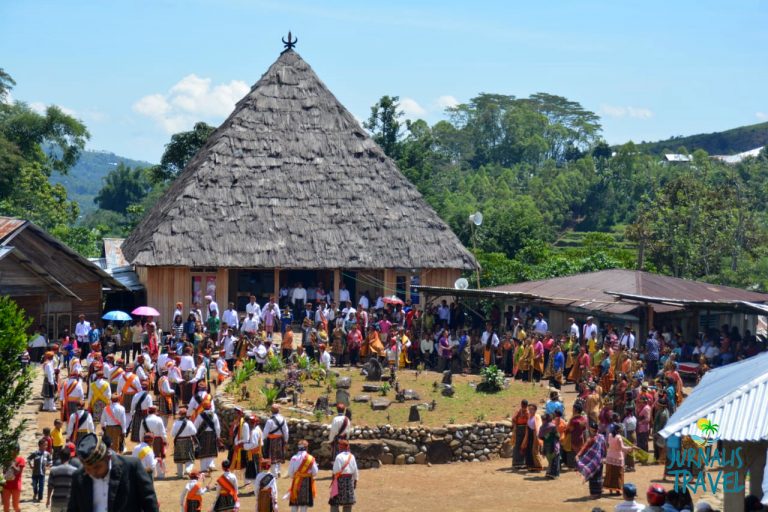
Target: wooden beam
column 276, row 284
column 336, row 285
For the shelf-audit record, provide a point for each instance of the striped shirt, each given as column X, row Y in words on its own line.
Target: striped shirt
column 60, row 480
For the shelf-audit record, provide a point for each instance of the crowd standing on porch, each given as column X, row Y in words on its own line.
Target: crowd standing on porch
column 152, row 387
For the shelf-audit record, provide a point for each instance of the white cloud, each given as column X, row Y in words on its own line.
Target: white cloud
column 411, row 108
column 191, row 99
column 40, row 108
column 446, row 101
column 761, row 116
column 622, row 112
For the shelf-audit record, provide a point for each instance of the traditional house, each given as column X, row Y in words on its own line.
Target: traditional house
column 50, row 281
column 290, row 188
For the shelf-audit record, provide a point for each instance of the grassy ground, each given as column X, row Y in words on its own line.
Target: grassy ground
column 466, row 406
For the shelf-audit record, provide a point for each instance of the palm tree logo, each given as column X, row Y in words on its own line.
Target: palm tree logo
column 709, row 430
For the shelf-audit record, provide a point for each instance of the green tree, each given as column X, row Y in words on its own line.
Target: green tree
column 384, row 125
column 179, row 151
column 122, row 187
column 15, row 381
column 6, row 84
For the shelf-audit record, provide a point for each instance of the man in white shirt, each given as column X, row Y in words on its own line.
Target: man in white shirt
column 574, row 330
column 143, row 451
column 346, row 475
column 490, row 340
column 182, row 433
column 379, row 303
column 590, row 330
column 343, row 293
column 211, row 307
column 540, row 325
column 298, row 299
column 114, row 423
column 324, row 358
column 230, row 317
column 228, row 344
column 341, row 426
column 82, row 330
column 444, row 313
column 250, row 326
column 364, row 303
column 37, row 345
column 80, row 423
column 627, row 339
column 275, row 439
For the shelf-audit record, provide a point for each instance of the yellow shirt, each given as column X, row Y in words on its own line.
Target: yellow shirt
column 57, row 437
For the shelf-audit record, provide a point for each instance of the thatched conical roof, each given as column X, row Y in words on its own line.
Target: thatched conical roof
column 291, row 180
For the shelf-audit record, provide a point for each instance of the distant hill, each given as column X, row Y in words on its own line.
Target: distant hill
column 84, row 180
column 728, row 142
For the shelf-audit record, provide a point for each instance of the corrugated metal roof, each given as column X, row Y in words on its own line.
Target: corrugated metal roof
column 588, row 290
column 113, row 254
column 735, row 397
column 127, row 277
column 8, row 226
column 5, row 251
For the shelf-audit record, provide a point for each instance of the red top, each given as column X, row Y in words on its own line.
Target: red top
column 15, row 483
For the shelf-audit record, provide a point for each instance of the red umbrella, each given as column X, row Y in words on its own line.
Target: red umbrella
column 394, row 299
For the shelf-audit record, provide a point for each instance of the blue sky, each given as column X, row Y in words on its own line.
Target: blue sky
column 136, row 72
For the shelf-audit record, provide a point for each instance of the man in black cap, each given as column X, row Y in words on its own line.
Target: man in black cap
column 109, row 482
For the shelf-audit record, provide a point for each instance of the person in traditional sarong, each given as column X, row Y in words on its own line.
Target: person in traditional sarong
column 49, row 383
column 275, row 439
column 630, row 428
column 199, row 399
column 302, row 470
column 187, row 367
column 490, row 341
column 673, row 376
column 339, row 341
column 644, row 419
column 253, row 449
column 550, row 438
column 80, row 423
column 114, row 375
column 240, row 433
column 127, row 386
column 141, row 403
column 166, row 395
column 593, row 402
column 345, row 477
column 575, row 435
column 114, row 423
column 192, row 494
column 590, row 461
column 226, row 485
column 520, row 426
column 519, row 349
column 222, row 370
column 208, row 433
column 143, row 452
column 614, row 461
column 286, row 345
column 183, row 433
column 341, row 426
column 581, row 366
column 531, row 441
column 557, row 365
column 98, row 395
column 404, row 345
column 526, row 361
column 265, row 487
column 70, row 394
column 155, row 425
column 538, row 358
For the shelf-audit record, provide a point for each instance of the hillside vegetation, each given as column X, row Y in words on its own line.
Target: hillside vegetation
column 729, row 142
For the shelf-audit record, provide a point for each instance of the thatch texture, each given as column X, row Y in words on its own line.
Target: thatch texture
column 291, row 180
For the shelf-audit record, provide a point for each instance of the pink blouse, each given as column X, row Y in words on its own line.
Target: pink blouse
column 616, row 450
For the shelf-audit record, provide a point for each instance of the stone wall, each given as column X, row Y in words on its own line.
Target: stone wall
column 387, row 444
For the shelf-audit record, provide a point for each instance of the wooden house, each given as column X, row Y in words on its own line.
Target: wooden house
column 53, row 283
column 290, row 188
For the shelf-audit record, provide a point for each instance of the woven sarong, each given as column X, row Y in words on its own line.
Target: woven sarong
column 596, row 482
column 224, row 502
column 158, row 447
column 276, row 450
column 115, row 433
column 127, row 400
column 207, row 440
column 304, row 497
column 49, row 390
column 518, row 454
column 346, row 494
column 183, row 450
column 614, row 478
column 136, row 425
column 185, row 392
column 164, row 408
column 98, row 407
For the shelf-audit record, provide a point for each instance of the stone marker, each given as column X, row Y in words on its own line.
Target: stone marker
column 411, row 395
column 448, row 390
column 362, row 398
column 322, row 403
column 414, row 414
column 380, row 404
column 447, row 377
column 342, row 397
column 344, row 383
column 373, row 370
column 372, row 388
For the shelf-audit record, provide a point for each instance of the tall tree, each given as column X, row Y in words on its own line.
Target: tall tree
column 179, row 151
column 123, row 186
column 384, row 125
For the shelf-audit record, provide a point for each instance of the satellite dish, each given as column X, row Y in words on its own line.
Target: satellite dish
column 461, row 284
column 476, row 218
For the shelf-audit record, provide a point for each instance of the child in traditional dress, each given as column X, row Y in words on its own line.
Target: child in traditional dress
column 265, row 488
column 192, row 495
column 303, row 470
column 345, row 476
column 226, row 485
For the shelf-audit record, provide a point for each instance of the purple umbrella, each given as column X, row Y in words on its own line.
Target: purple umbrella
column 145, row 311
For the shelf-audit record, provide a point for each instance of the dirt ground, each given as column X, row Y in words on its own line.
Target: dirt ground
column 482, row 486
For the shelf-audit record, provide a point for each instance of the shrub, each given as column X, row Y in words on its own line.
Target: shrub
column 241, row 375
column 493, row 379
column 270, row 395
column 274, row 364
column 384, row 389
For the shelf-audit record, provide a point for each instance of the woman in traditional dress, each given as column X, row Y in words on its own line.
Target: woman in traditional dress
column 614, row 461
column 575, row 435
column 531, row 441
column 526, row 360
column 266, row 488
column 590, row 461
column 520, row 423
column 550, row 438
column 339, row 338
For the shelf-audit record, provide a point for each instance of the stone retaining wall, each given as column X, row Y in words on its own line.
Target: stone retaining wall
column 387, row 444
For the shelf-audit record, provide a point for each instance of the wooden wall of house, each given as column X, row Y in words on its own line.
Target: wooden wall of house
column 445, row 277
column 168, row 285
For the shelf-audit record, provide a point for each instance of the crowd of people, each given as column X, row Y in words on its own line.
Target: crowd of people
column 149, row 388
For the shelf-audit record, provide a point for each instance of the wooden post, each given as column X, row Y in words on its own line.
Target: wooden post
column 336, row 285
column 389, row 282
column 276, row 285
